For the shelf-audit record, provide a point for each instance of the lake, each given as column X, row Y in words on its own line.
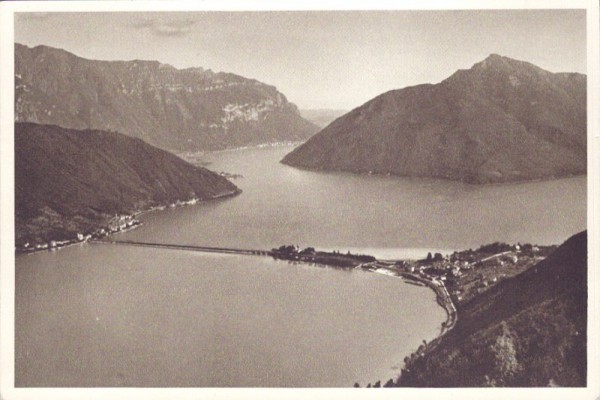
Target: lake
column 106, row 315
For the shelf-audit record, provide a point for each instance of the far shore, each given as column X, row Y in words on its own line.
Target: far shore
column 436, row 178
column 186, row 154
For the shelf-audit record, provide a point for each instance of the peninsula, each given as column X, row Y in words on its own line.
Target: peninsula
column 71, row 185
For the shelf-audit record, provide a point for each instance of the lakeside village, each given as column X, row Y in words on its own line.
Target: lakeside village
column 117, row 223
column 463, row 273
column 455, row 278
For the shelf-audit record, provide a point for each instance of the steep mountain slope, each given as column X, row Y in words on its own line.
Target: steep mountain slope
column 187, row 109
column 529, row 330
column 502, row 120
column 69, row 181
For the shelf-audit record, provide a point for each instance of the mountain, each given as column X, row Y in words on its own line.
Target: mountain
column 501, row 120
column 70, row 181
column 529, row 330
column 176, row 109
column 322, row 116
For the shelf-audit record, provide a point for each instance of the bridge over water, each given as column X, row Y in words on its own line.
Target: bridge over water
column 205, row 249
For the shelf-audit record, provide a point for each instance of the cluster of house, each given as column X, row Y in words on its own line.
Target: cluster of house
column 55, row 244
column 118, row 223
column 457, row 268
column 180, row 203
column 441, row 269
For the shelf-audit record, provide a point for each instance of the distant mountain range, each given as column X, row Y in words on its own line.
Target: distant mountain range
column 71, row 181
column 529, row 330
column 501, row 120
column 176, row 109
column 322, row 116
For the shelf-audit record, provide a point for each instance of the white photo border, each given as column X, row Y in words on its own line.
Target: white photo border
column 7, row 234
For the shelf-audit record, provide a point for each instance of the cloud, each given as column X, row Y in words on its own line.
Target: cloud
column 180, row 27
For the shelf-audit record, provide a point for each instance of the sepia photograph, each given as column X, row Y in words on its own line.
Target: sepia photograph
column 219, row 195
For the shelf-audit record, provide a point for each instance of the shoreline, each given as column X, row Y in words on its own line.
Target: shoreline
column 443, row 298
column 391, row 268
column 184, row 154
column 439, row 178
column 442, row 295
column 124, row 223
column 439, row 288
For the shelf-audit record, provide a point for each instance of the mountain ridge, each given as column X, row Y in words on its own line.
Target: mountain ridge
column 502, row 120
column 176, row 109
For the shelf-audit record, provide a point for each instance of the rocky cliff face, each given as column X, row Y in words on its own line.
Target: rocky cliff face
column 187, row 109
column 501, row 120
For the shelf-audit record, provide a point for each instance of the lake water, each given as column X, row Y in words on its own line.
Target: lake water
column 106, row 315
column 389, row 216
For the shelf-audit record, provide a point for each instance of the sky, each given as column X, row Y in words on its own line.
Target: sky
column 319, row 59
